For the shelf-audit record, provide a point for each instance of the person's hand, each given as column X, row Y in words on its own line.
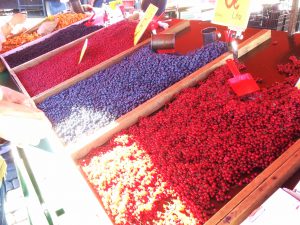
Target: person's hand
column 87, row 7
column 22, row 124
column 9, row 95
column 18, row 18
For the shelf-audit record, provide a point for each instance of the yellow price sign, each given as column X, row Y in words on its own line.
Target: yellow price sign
column 113, row 4
column 143, row 24
column 84, row 47
column 232, row 13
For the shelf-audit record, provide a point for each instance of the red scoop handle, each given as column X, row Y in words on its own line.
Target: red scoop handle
column 91, row 20
column 232, row 67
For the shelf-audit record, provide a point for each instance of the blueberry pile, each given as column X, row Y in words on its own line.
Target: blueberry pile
column 57, row 40
column 95, row 102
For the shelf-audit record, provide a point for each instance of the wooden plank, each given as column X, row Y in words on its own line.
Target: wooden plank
column 99, row 137
column 254, row 41
column 229, row 210
column 264, row 191
column 48, row 55
column 66, row 84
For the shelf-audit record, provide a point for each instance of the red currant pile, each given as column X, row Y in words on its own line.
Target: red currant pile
column 291, row 68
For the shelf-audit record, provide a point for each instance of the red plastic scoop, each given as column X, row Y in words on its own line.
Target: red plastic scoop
column 241, row 84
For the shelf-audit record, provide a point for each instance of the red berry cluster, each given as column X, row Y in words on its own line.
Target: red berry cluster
column 291, row 68
column 202, row 146
column 103, row 45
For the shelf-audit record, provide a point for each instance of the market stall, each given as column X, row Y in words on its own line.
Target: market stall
column 162, row 138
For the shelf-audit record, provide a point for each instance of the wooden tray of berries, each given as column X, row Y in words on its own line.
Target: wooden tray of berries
column 237, row 209
column 250, row 197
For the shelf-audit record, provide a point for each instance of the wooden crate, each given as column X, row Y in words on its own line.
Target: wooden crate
column 255, row 193
column 249, row 198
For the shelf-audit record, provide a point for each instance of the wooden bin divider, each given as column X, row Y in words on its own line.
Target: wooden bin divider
column 82, row 147
column 99, row 137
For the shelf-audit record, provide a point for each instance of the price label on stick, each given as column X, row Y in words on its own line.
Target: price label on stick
column 83, row 50
column 232, row 13
column 298, row 84
column 144, row 23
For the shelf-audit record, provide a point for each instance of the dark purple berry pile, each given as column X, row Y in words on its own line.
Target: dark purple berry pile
column 95, row 102
column 55, row 41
